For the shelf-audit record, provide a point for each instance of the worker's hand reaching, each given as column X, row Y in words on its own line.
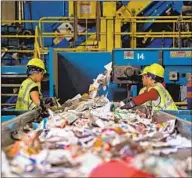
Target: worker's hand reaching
column 129, row 104
column 43, row 112
column 49, row 101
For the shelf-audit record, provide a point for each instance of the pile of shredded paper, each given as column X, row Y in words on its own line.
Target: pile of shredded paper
column 84, row 133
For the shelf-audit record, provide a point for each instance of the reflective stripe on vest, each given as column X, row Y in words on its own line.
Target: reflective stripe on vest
column 165, row 101
column 24, row 101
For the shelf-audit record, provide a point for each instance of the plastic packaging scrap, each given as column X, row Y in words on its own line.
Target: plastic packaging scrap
column 95, row 135
column 102, row 80
column 159, row 166
column 84, row 134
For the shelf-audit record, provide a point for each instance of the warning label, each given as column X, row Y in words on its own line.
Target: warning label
column 85, row 8
column 181, row 54
column 128, row 54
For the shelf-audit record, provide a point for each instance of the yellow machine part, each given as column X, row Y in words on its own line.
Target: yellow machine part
column 85, row 9
column 108, row 26
column 132, row 7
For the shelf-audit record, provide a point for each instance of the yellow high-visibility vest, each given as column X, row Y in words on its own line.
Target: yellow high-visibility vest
column 24, row 101
column 165, row 101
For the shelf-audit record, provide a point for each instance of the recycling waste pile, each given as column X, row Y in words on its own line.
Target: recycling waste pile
column 84, row 138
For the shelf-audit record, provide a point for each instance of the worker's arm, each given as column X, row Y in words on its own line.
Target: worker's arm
column 35, row 97
column 141, row 99
column 151, row 95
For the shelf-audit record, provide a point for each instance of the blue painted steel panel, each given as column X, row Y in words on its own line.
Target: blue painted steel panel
column 153, row 8
column 161, row 42
column 80, row 70
column 109, row 92
column 183, row 114
column 63, row 44
column 51, row 79
column 66, row 8
column 177, row 5
column 45, row 8
column 6, row 118
column 82, row 38
column 171, row 57
column 158, row 9
column 136, row 57
column 134, row 90
column 181, row 70
column 13, row 69
column 90, row 63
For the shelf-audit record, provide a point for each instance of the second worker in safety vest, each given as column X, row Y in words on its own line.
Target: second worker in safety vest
column 30, row 96
column 153, row 93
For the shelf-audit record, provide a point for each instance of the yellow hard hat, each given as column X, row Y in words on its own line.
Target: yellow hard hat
column 145, row 70
column 37, row 63
column 157, row 70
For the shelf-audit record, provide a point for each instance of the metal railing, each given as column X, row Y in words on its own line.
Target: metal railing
column 104, row 33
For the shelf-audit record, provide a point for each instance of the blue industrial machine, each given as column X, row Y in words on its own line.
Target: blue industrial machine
column 128, row 62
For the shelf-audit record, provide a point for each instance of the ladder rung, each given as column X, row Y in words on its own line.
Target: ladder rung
column 10, row 85
column 8, row 104
column 8, row 94
column 12, row 76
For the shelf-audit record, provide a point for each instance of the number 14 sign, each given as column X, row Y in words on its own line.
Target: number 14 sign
column 140, row 56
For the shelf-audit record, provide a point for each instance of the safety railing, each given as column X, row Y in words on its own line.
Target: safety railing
column 37, row 50
column 110, row 35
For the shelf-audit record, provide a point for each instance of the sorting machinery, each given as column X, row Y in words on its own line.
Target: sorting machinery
column 177, row 63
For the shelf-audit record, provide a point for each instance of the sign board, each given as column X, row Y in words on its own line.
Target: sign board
column 180, row 54
column 128, row 54
column 131, row 55
column 136, row 57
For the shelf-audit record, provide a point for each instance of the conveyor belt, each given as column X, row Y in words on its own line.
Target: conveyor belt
column 184, row 127
column 14, row 124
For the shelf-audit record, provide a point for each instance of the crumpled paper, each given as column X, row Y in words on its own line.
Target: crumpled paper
column 84, row 132
column 102, row 80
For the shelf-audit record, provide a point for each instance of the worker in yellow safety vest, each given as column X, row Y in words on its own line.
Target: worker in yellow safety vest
column 156, row 93
column 30, row 96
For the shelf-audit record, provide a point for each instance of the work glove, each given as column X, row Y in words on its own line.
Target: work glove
column 43, row 112
column 129, row 104
column 49, row 101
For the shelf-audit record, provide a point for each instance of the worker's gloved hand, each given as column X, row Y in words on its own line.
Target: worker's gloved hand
column 125, row 101
column 129, row 104
column 49, row 101
column 43, row 112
